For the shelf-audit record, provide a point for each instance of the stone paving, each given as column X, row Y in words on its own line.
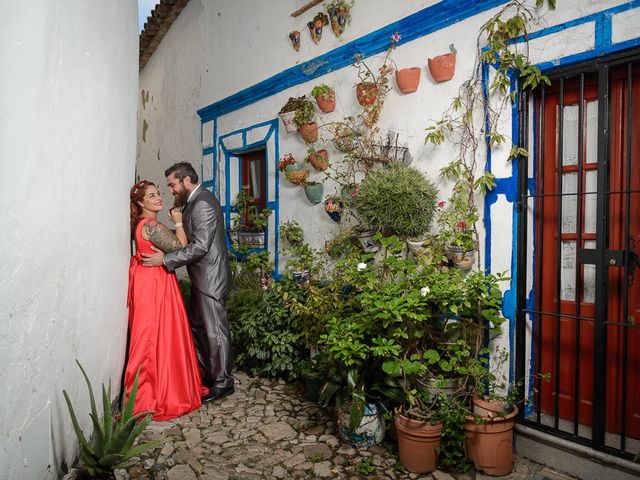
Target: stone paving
column 268, row 430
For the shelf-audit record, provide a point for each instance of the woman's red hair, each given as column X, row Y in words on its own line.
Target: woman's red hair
column 136, row 195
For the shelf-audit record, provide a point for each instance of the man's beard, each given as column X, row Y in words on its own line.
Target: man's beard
column 180, row 200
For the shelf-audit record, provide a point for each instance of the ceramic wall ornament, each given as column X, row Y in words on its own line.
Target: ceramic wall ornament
column 295, row 39
column 340, row 17
column 316, row 25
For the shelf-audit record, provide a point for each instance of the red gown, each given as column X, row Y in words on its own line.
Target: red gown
column 160, row 341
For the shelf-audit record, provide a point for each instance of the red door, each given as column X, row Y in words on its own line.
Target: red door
column 567, row 213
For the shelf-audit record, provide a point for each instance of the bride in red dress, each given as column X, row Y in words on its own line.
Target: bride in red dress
column 160, row 336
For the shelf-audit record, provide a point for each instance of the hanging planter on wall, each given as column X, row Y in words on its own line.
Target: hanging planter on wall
column 314, row 191
column 316, row 25
column 333, row 206
column 319, row 159
column 298, row 177
column 295, row 39
column 443, row 67
column 408, row 79
column 340, row 15
column 325, row 97
column 367, row 93
column 309, row 132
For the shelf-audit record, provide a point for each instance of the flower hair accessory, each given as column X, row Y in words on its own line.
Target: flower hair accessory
column 136, row 188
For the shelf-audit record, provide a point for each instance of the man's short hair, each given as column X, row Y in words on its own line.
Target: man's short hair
column 182, row 171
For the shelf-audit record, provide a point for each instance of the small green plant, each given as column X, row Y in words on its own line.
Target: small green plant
column 365, row 467
column 292, row 232
column 113, row 437
column 323, row 91
column 304, row 114
column 250, row 218
column 293, row 104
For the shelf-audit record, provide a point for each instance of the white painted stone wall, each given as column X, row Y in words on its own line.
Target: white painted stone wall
column 67, row 152
column 229, row 45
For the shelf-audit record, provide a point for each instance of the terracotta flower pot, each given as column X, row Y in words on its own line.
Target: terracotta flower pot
column 319, row 160
column 489, row 445
column 487, row 408
column 309, row 132
column 417, row 444
column 367, row 93
column 442, row 67
column 408, row 79
column 327, row 103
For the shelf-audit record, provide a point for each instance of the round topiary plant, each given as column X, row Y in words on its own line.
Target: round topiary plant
column 397, row 199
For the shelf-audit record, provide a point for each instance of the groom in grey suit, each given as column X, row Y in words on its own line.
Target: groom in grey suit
column 208, row 265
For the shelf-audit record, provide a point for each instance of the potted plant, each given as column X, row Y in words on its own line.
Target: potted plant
column 314, row 191
column 372, row 88
column 288, row 164
column 408, row 79
column 397, row 199
column 288, row 112
column 325, row 97
column 315, row 26
column 333, row 206
column 317, row 158
column 250, row 225
column 456, row 223
column 443, row 66
column 303, row 118
column 339, row 15
column 298, row 177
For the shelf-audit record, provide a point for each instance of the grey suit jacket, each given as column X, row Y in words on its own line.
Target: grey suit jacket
column 206, row 254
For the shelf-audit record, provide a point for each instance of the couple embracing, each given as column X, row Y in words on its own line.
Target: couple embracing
column 183, row 361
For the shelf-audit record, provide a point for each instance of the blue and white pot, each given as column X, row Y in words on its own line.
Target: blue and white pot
column 371, row 430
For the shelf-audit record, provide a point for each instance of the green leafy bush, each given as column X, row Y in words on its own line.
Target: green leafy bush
column 113, row 437
column 268, row 340
column 397, row 199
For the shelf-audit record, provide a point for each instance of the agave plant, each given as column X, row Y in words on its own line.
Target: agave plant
column 113, row 438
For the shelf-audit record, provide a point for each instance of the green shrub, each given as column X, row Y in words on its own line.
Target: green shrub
column 113, row 438
column 267, row 336
column 397, row 199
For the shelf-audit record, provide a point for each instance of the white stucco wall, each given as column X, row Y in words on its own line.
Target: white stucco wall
column 67, row 152
column 241, row 43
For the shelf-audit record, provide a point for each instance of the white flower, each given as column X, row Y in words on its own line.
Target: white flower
column 361, row 266
column 424, row 291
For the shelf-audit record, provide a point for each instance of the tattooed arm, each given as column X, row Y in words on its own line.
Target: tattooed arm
column 161, row 236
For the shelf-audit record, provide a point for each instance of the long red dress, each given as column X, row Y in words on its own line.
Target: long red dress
column 160, row 341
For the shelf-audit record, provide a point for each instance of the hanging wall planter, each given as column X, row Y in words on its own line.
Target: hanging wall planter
column 288, row 112
column 295, row 39
column 314, row 191
column 309, row 132
column 325, row 97
column 333, row 206
column 408, row 79
column 367, row 93
column 287, row 120
column 443, row 67
column 316, row 25
column 319, row 159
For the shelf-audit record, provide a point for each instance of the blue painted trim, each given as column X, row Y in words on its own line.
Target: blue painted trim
column 275, row 130
column 412, row 27
column 216, row 187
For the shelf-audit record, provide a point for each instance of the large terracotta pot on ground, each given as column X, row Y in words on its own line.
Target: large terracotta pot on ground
column 367, row 93
column 408, row 79
column 442, row 67
column 328, row 103
column 417, row 444
column 489, row 445
column 309, row 132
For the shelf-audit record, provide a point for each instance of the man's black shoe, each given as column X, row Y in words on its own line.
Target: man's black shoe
column 216, row 393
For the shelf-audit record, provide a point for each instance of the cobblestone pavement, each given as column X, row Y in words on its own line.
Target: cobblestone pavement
column 267, row 429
